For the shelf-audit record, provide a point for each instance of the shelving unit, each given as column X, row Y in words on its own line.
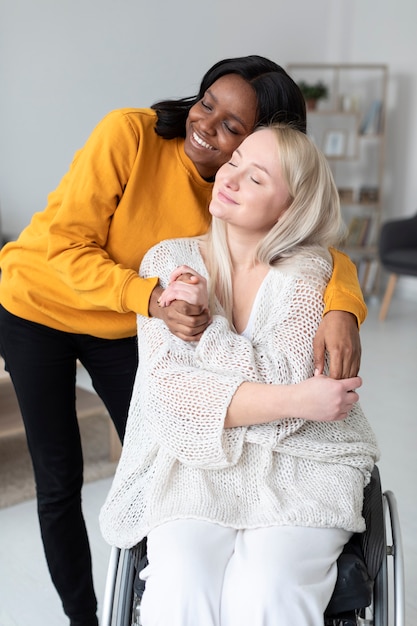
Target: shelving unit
column 349, row 126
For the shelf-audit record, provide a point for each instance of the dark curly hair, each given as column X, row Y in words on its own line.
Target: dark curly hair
column 278, row 96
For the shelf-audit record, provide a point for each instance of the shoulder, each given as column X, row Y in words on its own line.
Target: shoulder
column 179, row 245
column 134, row 120
column 132, row 114
column 310, row 269
column 165, row 256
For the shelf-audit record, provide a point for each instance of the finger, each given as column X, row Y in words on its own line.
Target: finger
column 354, row 367
column 352, row 383
column 184, row 309
column 194, row 323
column 335, row 367
column 342, row 365
column 187, row 333
column 189, row 337
column 318, row 349
column 345, row 362
column 183, row 291
column 188, row 278
column 182, row 269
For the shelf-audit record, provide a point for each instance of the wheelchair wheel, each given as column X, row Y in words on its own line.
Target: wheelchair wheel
column 388, row 604
column 121, row 606
column 394, row 594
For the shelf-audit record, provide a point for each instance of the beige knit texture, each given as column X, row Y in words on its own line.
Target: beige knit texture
column 179, row 462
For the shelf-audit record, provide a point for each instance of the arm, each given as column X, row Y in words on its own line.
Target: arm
column 182, row 404
column 280, row 353
column 344, row 311
column 319, row 399
column 197, row 412
column 85, row 206
column 223, row 351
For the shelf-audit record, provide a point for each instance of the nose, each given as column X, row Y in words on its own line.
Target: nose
column 231, row 179
column 208, row 124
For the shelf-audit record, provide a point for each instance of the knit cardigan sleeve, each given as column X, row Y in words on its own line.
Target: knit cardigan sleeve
column 182, row 405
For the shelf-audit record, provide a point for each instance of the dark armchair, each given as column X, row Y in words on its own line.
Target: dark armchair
column 398, row 254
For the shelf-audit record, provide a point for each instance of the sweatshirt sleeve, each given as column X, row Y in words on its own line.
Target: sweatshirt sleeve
column 343, row 293
column 84, row 205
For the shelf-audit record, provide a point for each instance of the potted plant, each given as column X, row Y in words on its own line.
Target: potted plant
column 313, row 92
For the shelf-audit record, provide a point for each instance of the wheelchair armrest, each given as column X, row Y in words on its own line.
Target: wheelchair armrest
column 353, row 587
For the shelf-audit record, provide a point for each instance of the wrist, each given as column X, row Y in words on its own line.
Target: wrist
column 343, row 315
column 154, row 308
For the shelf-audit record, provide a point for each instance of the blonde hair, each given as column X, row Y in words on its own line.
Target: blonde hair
column 310, row 225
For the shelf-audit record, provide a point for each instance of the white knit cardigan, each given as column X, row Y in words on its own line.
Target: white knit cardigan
column 179, row 462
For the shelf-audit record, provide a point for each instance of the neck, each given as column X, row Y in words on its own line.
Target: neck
column 242, row 252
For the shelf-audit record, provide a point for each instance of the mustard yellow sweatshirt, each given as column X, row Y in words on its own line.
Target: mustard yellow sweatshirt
column 75, row 267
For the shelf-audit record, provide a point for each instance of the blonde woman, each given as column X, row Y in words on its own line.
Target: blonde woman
column 243, row 468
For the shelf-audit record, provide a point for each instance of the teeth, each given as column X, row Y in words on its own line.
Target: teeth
column 201, row 142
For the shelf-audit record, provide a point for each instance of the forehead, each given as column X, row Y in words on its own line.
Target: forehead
column 261, row 145
column 235, row 95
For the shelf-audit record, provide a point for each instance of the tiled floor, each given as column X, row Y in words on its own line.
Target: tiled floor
column 389, row 397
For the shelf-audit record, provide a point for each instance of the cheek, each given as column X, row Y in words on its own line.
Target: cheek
column 281, row 211
column 192, row 114
column 215, row 209
column 228, row 144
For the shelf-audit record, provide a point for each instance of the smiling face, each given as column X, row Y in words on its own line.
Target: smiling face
column 218, row 123
column 249, row 191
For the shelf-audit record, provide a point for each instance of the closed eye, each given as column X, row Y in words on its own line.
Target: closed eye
column 230, row 129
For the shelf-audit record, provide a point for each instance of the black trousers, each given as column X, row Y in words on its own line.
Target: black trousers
column 42, row 365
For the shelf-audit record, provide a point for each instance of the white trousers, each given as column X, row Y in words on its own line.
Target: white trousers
column 203, row 574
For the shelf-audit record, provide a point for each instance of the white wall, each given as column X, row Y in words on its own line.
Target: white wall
column 65, row 63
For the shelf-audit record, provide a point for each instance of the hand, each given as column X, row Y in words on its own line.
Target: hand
column 338, row 334
column 185, row 284
column 186, row 321
column 325, row 399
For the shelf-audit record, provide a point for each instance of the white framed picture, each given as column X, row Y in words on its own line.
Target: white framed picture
column 335, row 143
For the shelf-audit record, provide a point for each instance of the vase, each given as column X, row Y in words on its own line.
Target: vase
column 311, row 104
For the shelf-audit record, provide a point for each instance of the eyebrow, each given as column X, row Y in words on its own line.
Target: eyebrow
column 257, row 165
column 233, row 115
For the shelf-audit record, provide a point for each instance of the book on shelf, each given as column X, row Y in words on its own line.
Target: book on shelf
column 358, row 231
column 372, row 120
column 369, row 194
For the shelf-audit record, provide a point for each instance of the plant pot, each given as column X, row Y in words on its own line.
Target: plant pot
column 311, row 104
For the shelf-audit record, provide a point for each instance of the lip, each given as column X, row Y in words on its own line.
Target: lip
column 199, row 142
column 222, row 196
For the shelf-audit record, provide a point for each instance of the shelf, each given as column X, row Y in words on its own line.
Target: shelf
column 349, row 127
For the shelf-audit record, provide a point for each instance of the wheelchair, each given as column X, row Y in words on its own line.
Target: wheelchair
column 369, row 590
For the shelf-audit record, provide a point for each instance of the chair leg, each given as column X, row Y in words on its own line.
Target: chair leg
column 387, row 297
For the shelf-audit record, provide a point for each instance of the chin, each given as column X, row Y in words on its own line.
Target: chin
column 216, row 211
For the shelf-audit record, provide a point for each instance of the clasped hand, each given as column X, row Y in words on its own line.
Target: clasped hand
column 183, row 305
